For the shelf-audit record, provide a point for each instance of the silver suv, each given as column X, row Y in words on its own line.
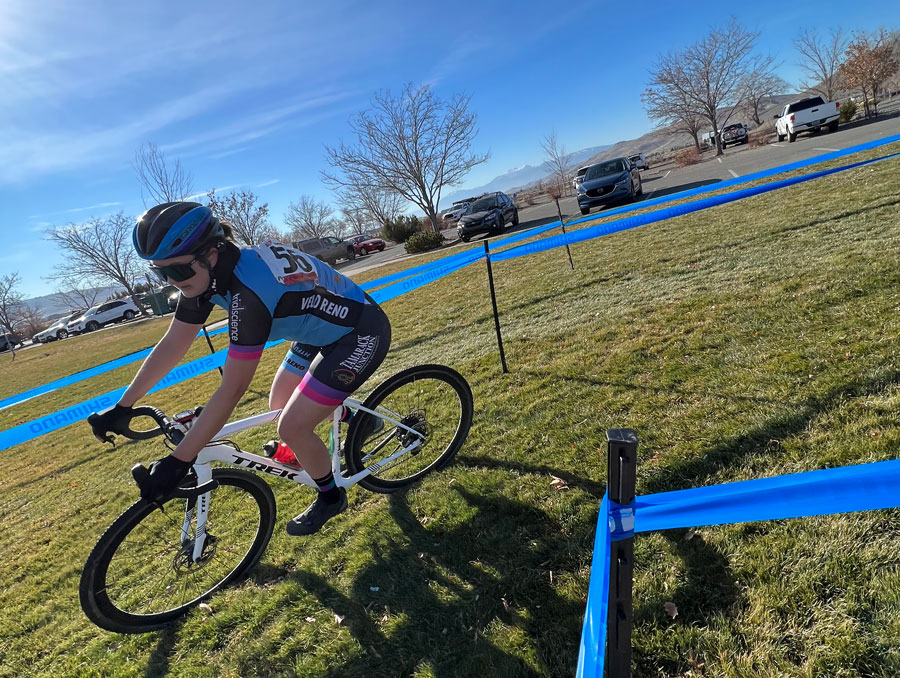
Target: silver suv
column 329, row 249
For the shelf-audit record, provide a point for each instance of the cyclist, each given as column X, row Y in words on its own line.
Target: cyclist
column 339, row 334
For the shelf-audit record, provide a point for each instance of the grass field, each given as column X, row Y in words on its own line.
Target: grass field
column 753, row 339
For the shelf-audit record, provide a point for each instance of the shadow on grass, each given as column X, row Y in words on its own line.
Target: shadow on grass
column 159, row 660
column 699, row 470
column 453, row 586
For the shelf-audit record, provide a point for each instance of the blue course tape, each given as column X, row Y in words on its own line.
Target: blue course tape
column 73, row 378
column 815, row 493
column 436, row 270
column 718, row 186
column 593, row 632
column 848, row 489
column 668, row 212
column 70, row 415
column 85, row 374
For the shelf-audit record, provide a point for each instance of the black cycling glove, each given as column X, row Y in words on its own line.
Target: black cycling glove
column 114, row 419
column 165, row 475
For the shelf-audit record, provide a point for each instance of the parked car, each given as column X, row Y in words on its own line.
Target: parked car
column 103, row 314
column 328, row 249
column 639, row 161
column 734, row 134
column 364, row 244
column 579, row 176
column 459, row 208
column 57, row 330
column 9, row 341
column 807, row 115
column 609, row 181
column 488, row 214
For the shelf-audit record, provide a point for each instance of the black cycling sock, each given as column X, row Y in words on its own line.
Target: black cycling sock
column 328, row 490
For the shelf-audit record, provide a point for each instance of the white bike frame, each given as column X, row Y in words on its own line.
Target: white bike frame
column 229, row 455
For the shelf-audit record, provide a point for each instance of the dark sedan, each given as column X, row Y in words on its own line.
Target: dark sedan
column 489, row 214
column 609, row 181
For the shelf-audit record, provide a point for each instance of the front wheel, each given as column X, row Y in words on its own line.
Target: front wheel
column 434, row 401
column 129, row 315
column 141, row 575
column 92, row 326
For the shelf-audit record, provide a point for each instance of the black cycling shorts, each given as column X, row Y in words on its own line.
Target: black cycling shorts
column 331, row 373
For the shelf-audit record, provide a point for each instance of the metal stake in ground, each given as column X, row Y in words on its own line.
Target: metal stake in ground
column 211, row 349
column 563, row 225
column 487, row 258
column 621, row 461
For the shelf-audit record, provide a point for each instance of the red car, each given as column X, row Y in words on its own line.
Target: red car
column 363, row 244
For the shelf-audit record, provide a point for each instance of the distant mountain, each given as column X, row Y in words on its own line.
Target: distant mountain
column 517, row 178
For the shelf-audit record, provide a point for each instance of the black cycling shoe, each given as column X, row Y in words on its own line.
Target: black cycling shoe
column 314, row 517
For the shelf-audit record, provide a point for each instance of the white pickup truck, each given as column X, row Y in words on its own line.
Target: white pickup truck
column 807, row 115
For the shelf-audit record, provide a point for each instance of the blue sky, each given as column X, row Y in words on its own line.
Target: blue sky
column 246, row 94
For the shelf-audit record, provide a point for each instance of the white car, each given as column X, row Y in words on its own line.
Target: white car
column 639, row 161
column 108, row 312
column 57, row 330
column 454, row 213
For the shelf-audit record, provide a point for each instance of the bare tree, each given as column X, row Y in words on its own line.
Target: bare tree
column 671, row 110
column 412, row 145
column 356, row 218
column 558, row 161
column 380, row 205
column 74, row 292
column 99, row 251
column 869, row 62
column 10, row 300
column 710, row 74
column 163, row 181
column 249, row 220
column 30, row 320
column 820, row 60
column 309, row 218
column 760, row 84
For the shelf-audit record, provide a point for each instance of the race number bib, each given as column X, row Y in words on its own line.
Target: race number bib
column 288, row 265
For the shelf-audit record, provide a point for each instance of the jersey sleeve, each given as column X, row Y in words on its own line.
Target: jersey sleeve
column 192, row 310
column 249, row 324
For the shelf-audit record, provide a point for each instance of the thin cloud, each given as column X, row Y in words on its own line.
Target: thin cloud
column 268, row 183
column 99, row 205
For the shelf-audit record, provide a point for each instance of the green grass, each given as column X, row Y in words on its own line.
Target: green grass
column 749, row 340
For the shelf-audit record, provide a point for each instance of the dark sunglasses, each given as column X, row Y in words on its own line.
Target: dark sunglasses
column 175, row 272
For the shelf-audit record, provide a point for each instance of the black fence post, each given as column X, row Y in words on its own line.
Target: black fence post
column 621, row 464
column 487, row 258
column 211, row 349
column 563, row 226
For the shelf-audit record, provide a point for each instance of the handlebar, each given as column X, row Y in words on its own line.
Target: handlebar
column 141, row 474
column 163, row 426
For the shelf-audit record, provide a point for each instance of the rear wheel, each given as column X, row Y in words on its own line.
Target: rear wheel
column 62, row 334
column 141, row 575
column 433, row 400
column 833, row 126
column 585, row 210
column 780, row 136
column 792, row 137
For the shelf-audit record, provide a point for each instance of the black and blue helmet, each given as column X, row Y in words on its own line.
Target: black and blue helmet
column 174, row 229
